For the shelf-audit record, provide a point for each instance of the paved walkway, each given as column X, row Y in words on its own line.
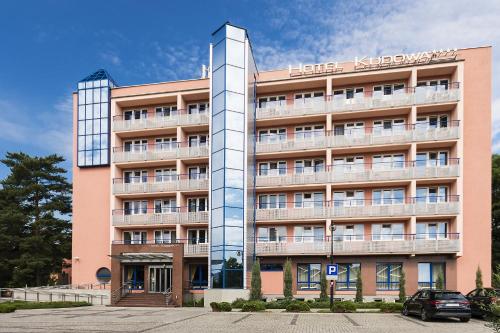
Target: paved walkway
column 124, row 320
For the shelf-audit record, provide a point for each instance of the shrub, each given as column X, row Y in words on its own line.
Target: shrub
column 220, row 307
column 402, row 286
column 479, row 278
column 391, row 307
column 298, row 306
column 253, row 306
column 194, row 303
column 320, row 305
column 12, row 306
column 6, row 308
column 323, row 295
column 359, row 287
column 238, row 303
column 287, row 279
column 440, row 281
column 346, row 306
column 256, row 283
column 281, row 304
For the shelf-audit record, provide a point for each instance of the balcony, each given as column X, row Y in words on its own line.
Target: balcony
column 367, row 100
column 153, row 121
column 147, row 217
column 315, row 141
column 158, row 184
column 153, row 152
column 400, row 244
column 196, row 250
column 190, row 250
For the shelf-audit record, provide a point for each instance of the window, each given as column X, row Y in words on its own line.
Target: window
column 394, row 196
column 309, row 200
column 355, row 129
column 308, row 234
column 271, row 267
column 388, row 127
column 197, row 205
column 388, row 89
column 166, row 143
column 135, row 237
column 348, row 198
column 198, row 276
column 347, row 276
column 432, row 159
column 388, row 276
column 308, row 276
column 272, row 135
column 309, row 166
column 166, row 111
column 103, row 275
column 348, row 164
column 432, row 122
column 349, row 232
column 136, row 176
column 346, row 94
column 272, row 201
column 197, row 172
column 197, row 236
column 135, row 115
column 309, row 98
column 273, row 168
column 388, row 231
column 135, row 146
column 163, row 206
column 198, row 108
column 432, row 194
column 388, row 162
column 164, row 236
column 135, row 207
column 432, row 85
column 271, row 102
column 428, row 273
column 271, row 234
column 307, row 132
column 166, row 175
column 198, row 140
column 432, row 230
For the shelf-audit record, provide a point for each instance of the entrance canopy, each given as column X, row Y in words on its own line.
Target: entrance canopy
column 143, row 257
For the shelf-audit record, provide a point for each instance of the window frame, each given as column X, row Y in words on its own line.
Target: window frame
column 310, row 284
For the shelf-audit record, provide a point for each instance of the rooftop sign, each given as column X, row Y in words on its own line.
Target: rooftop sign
column 367, row 63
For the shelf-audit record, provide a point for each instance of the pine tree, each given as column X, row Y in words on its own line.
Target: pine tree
column 440, row 281
column 495, row 279
column 402, row 286
column 256, row 284
column 287, row 279
column 323, row 295
column 359, row 287
column 42, row 198
column 479, row 278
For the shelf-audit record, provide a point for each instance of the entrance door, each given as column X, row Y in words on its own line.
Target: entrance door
column 134, row 276
column 160, row 278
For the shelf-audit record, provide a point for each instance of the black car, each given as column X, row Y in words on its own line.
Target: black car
column 482, row 299
column 430, row 304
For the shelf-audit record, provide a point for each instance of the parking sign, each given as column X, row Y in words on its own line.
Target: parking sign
column 332, row 271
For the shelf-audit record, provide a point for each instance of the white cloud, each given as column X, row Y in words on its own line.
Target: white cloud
column 111, row 58
column 315, row 32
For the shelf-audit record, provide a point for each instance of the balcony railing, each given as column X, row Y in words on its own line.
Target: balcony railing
column 152, row 120
column 359, row 172
column 366, row 244
column 154, row 152
column 418, row 206
column 192, row 247
column 367, row 100
column 164, row 183
column 145, row 217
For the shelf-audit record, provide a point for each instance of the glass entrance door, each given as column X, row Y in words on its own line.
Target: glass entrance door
column 160, row 278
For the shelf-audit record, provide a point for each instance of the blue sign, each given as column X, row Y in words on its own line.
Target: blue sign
column 332, row 271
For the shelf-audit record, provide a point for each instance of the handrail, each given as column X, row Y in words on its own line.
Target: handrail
column 118, row 293
column 52, row 295
column 168, row 296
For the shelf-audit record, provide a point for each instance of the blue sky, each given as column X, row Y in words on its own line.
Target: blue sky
column 47, row 46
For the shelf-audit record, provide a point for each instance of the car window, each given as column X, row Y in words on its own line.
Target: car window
column 448, row 296
column 424, row 294
column 472, row 293
column 481, row 293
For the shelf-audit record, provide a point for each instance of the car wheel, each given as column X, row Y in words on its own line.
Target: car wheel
column 404, row 312
column 464, row 320
column 424, row 316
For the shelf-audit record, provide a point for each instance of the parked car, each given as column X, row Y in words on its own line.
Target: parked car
column 482, row 299
column 430, row 304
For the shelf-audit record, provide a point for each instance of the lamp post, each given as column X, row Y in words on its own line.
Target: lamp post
column 332, row 282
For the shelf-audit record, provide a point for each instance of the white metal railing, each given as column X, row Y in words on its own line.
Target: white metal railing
column 159, row 218
column 318, row 177
column 152, row 186
column 292, row 213
column 191, row 250
column 314, row 142
column 431, row 96
column 122, row 125
column 158, row 155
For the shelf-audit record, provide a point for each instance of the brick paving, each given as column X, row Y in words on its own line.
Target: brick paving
column 151, row 320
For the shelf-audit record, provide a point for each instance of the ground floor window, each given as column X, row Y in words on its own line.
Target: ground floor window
column 388, row 276
column 198, row 276
column 308, row 276
column 271, row 267
column 428, row 273
column 347, row 276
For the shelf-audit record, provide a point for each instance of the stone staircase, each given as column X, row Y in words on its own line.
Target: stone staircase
column 143, row 300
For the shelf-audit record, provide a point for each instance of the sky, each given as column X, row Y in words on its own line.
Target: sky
column 47, row 46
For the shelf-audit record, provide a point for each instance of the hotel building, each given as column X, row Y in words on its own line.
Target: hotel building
column 180, row 186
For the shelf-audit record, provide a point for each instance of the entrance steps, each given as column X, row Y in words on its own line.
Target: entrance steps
column 143, row 300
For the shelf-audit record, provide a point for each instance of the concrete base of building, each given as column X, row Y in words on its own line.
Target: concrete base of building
column 224, row 295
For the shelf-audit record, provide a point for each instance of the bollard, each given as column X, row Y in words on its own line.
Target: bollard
column 38, row 296
column 25, row 295
column 101, row 299
column 50, row 295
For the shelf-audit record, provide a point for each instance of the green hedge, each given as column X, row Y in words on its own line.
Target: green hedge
column 391, row 307
column 238, row 303
column 253, row 306
column 194, row 303
column 220, row 307
column 298, row 306
column 6, row 308
column 342, row 307
column 21, row 305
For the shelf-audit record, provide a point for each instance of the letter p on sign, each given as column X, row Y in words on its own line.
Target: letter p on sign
column 332, row 271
